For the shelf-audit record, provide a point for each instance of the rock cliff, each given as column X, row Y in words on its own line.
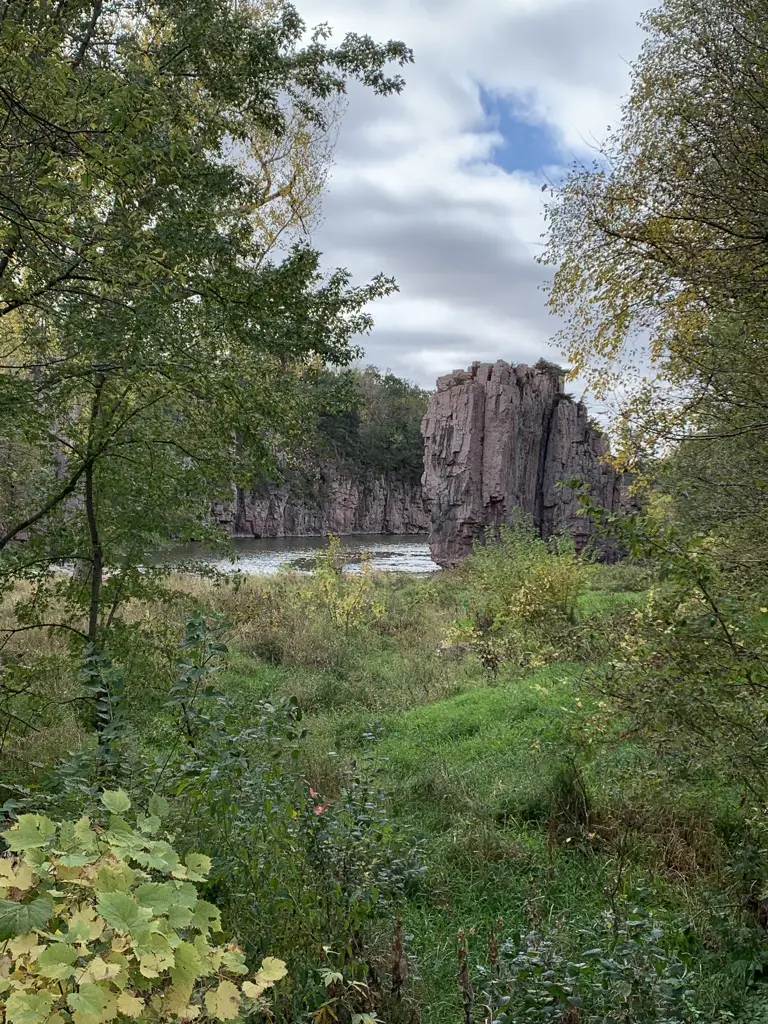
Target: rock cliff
column 326, row 500
column 499, row 438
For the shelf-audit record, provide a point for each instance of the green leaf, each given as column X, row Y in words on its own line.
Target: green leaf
column 234, row 961
column 93, row 1004
column 20, row 918
column 188, row 967
column 122, row 835
column 158, row 896
column 159, row 855
column 56, row 961
column 87, row 840
column 206, row 917
column 158, row 806
column 179, row 917
column 160, row 957
column 122, row 912
column 149, row 824
column 77, row 860
column 31, row 831
column 198, row 866
column 28, row 1007
column 117, row 801
column 186, row 894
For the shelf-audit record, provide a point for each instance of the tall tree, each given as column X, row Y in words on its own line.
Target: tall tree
column 153, row 336
column 661, row 255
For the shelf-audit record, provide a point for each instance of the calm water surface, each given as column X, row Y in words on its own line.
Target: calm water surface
column 267, row 556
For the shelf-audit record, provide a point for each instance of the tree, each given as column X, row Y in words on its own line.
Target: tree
column 153, row 349
column 662, row 261
column 376, row 424
column 660, row 246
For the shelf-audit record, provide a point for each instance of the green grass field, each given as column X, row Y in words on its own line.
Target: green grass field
column 533, row 811
column 529, row 813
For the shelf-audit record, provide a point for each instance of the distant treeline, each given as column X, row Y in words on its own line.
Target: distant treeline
column 371, row 421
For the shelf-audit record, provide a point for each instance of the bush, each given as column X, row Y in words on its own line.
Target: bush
column 692, row 665
column 292, row 870
column 622, row 974
column 124, row 933
column 523, row 595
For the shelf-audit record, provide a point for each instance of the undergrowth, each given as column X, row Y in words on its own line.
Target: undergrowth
column 422, row 796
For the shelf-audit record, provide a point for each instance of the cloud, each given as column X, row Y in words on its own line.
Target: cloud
column 440, row 187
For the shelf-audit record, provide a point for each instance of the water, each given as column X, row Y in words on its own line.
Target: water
column 268, row 556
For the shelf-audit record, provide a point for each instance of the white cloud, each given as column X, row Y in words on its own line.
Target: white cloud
column 415, row 192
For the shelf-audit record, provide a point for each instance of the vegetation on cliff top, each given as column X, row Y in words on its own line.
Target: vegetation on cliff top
column 376, row 427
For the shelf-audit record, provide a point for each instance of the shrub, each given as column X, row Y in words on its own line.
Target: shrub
column 100, row 921
column 522, row 598
column 310, row 621
column 622, row 974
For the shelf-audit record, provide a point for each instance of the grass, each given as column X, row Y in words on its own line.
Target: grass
column 485, row 777
column 530, row 803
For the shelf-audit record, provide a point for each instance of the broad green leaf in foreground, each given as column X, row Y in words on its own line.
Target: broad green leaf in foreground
column 31, row 831
column 116, row 801
column 123, row 912
column 56, row 961
column 93, row 1004
column 20, row 918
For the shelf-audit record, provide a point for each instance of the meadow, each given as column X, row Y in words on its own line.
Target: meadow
column 418, row 793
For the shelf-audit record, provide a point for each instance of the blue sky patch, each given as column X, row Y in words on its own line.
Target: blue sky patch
column 527, row 146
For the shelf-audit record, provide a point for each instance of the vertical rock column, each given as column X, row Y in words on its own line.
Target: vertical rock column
column 453, row 429
column 500, row 438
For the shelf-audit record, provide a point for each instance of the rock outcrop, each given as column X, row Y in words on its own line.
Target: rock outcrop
column 499, row 438
column 326, row 500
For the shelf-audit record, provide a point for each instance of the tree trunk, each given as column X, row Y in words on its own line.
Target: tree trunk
column 97, row 554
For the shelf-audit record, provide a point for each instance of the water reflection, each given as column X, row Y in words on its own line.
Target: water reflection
column 268, row 556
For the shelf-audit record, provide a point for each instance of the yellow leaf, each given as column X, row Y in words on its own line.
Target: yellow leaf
column 99, row 970
column 189, row 1013
column 223, row 1002
column 271, row 970
column 15, row 874
column 176, row 1000
column 75, row 876
column 88, row 917
column 113, row 876
column 253, row 991
column 152, row 964
column 130, row 1005
column 24, row 946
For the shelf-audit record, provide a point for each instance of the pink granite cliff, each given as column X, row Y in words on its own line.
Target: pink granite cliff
column 499, row 438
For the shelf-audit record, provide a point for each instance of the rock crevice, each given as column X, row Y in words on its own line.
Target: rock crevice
column 500, row 438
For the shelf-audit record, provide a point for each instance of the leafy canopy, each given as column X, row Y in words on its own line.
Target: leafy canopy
column 153, row 348
column 659, row 247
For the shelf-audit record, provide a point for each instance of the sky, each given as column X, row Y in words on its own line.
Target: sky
column 440, row 186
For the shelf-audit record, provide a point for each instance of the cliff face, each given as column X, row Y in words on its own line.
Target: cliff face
column 329, row 500
column 500, row 438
